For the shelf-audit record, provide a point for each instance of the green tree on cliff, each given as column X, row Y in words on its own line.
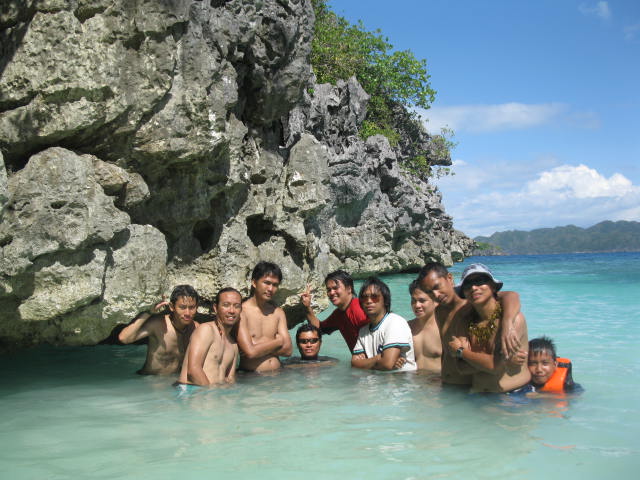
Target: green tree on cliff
column 341, row 50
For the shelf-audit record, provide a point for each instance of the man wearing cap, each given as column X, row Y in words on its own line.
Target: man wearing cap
column 453, row 314
column 476, row 350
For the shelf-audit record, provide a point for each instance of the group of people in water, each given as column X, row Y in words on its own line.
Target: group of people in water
column 471, row 334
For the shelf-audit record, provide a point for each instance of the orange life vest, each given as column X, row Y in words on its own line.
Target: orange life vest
column 559, row 378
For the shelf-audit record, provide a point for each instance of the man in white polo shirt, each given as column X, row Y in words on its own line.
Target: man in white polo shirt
column 385, row 343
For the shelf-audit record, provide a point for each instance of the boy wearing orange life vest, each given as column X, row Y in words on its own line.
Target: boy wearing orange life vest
column 549, row 373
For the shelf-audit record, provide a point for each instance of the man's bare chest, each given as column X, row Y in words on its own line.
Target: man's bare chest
column 263, row 327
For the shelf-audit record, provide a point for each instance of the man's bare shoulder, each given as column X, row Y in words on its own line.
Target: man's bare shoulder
column 248, row 302
column 463, row 310
column 250, row 308
column 446, row 311
column 247, row 310
column 415, row 326
column 156, row 324
column 206, row 331
column 420, row 329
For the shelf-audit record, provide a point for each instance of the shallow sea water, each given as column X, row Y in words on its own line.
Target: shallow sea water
column 83, row 413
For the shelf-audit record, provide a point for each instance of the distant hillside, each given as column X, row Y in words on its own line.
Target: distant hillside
column 606, row 236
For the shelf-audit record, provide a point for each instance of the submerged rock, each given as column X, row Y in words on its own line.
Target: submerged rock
column 155, row 143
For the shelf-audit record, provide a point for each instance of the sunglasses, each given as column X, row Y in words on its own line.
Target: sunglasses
column 475, row 282
column 374, row 297
column 304, row 341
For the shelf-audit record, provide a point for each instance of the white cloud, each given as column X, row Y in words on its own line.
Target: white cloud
column 493, row 118
column 579, row 182
column 631, row 31
column 600, row 9
column 494, row 174
column 559, row 196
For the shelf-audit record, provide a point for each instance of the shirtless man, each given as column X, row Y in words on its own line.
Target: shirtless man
column 262, row 331
column 452, row 314
column 213, row 353
column 424, row 328
column 348, row 317
column 478, row 348
column 168, row 334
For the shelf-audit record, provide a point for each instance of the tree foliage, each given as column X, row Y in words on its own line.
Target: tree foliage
column 341, row 50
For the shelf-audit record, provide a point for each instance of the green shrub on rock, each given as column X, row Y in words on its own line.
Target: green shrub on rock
column 395, row 80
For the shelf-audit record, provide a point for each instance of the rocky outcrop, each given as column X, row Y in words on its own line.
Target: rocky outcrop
column 72, row 263
column 145, row 144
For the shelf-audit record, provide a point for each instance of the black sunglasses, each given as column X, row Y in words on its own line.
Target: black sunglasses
column 476, row 282
column 308, row 340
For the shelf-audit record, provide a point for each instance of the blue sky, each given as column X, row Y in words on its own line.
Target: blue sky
column 544, row 99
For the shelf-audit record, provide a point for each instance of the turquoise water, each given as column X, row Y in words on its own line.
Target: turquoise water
column 82, row 413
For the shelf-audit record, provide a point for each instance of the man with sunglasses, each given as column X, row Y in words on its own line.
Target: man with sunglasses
column 385, row 343
column 452, row 315
column 309, row 341
column 348, row 316
column 479, row 341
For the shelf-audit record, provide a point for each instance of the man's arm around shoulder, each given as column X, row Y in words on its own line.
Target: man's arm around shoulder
column 509, row 341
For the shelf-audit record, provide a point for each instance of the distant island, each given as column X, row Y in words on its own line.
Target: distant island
column 608, row 236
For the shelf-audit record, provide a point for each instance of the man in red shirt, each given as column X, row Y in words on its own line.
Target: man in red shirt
column 348, row 316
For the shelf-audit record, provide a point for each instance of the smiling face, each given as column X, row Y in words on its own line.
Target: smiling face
column 183, row 311
column 228, row 309
column 439, row 288
column 338, row 294
column 478, row 289
column 309, row 345
column 422, row 304
column 265, row 287
column 542, row 366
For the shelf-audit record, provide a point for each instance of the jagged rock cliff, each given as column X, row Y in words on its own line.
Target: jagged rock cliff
column 149, row 143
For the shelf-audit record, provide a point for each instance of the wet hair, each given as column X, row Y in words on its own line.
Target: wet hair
column 415, row 285
column 307, row 327
column 340, row 276
column 381, row 287
column 437, row 267
column 216, row 300
column 184, row 291
column 266, row 268
column 542, row 345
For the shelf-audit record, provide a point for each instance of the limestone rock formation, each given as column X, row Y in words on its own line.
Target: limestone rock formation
column 149, row 143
